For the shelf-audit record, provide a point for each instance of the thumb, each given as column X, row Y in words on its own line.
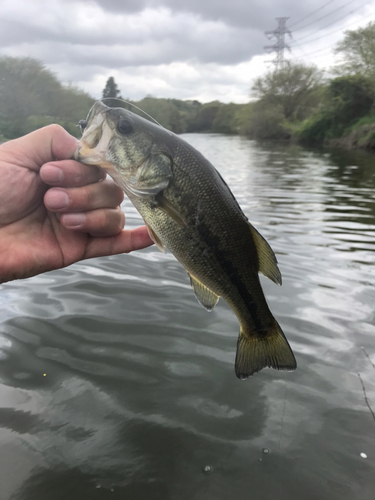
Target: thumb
column 41, row 146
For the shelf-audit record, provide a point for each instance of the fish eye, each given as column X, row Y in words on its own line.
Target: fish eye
column 125, row 126
column 82, row 125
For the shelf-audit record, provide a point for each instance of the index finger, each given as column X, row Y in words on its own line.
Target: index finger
column 70, row 173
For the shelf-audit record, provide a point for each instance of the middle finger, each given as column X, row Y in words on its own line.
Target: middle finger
column 103, row 194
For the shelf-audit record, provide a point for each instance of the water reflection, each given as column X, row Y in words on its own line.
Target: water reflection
column 115, row 383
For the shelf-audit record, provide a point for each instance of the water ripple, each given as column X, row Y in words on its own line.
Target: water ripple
column 113, row 377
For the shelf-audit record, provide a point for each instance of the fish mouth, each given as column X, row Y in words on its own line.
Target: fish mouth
column 94, row 145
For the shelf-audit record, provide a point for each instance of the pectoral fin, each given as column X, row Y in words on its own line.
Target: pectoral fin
column 267, row 259
column 169, row 209
column 155, row 238
column 204, row 295
column 153, row 176
column 147, row 192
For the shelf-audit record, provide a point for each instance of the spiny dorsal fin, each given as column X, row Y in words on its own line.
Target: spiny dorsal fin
column 155, row 238
column 255, row 352
column 267, row 259
column 204, row 295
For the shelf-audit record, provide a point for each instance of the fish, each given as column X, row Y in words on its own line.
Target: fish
column 189, row 209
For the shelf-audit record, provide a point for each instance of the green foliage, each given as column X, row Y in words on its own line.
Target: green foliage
column 226, row 121
column 267, row 122
column 349, row 99
column 243, row 118
column 294, row 88
column 206, row 116
column 365, row 120
column 31, row 97
column 358, row 52
column 352, row 98
column 163, row 111
column 315, row 129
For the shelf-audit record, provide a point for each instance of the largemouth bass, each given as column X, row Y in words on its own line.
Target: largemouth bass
column 189, row 209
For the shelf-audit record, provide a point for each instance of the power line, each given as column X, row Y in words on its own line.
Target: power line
column 325, row 50
column 324, row 27
column 312, row 13
column 335, row 31
column 327, row 15
column 330, row 47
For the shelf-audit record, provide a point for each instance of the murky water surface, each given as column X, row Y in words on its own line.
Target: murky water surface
column 116, row 383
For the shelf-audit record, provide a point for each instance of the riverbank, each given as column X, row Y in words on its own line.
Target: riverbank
column 362, row 137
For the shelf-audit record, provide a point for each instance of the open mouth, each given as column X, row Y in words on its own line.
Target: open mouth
column 95, row 142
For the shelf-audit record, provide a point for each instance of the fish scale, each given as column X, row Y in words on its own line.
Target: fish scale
column 189, row 209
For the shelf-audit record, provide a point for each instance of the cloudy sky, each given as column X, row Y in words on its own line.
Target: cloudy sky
column 187, row 49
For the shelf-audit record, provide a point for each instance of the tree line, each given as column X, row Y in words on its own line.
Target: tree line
column 31, row 97
column 296, row 101
column 299, row 102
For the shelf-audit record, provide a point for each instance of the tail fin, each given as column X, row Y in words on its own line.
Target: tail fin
column 255, row 353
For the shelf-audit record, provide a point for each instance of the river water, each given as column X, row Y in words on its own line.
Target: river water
column 116, row 384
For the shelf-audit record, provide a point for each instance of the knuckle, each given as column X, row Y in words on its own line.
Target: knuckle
column 78, row 175
column 56, row 129
column 89, row 195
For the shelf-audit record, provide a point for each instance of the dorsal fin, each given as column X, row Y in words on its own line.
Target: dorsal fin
column 267, row 258
column 204, row 295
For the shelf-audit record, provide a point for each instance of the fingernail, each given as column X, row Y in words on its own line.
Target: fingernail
column 57, row 199
column 52, row 174
column 73, row 220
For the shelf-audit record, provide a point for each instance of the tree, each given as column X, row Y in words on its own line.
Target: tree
column 161, row 110
column 293, row 87
column 111, row 89
column 26, row 87
column 31, row 96
column 225, row 121
column 358, row 52
column 349, row 98
column 206, row 116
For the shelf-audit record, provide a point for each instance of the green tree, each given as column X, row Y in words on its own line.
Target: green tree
column 26, row 88
column 163, row 111
column 225, row 121
column 111, row 89
column 31, row 97
column 206, row 116
column 349, row 99
column 357, row 50
column 293, row 88
column 267, row 122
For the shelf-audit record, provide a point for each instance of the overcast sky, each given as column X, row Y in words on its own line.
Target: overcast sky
column 187, row 49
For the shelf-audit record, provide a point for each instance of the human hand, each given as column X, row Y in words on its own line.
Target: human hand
column 44, row 228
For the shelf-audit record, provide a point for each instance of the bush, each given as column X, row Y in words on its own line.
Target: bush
column 267, row 122
column 350, row 98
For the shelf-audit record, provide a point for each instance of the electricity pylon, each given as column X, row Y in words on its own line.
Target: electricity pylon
column 279, row 45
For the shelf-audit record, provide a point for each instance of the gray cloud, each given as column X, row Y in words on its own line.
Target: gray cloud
column 240, row 13
column 141, row 41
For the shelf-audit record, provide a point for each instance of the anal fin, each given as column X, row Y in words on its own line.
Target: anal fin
column 204, row 295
